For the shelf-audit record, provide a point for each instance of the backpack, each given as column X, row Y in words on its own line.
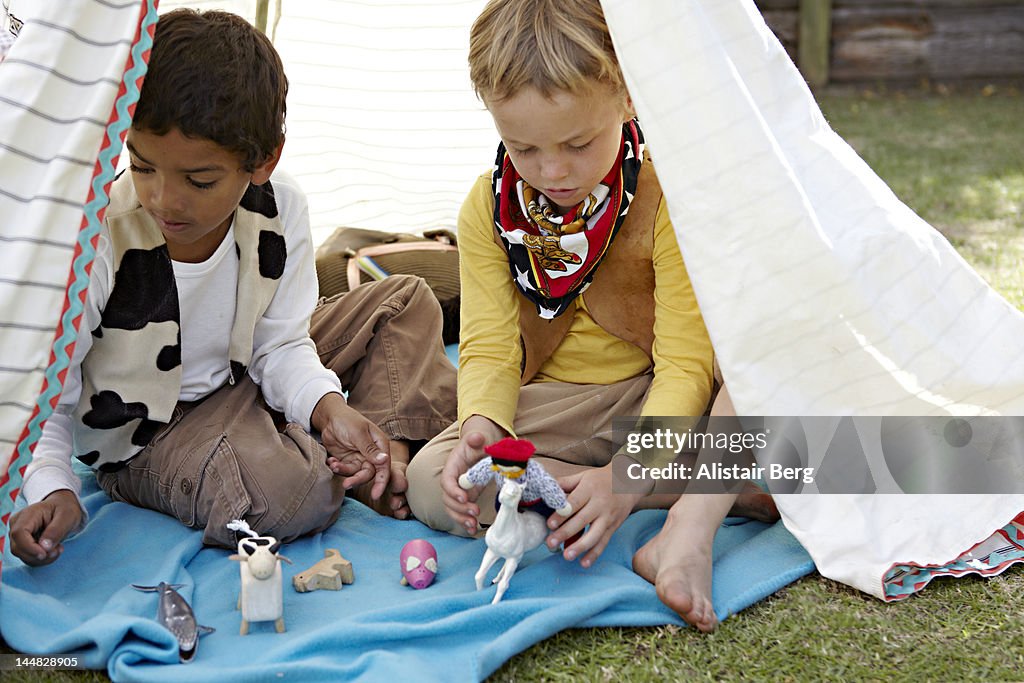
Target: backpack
column 353, row 256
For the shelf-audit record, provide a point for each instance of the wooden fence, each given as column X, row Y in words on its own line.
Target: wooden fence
column 900, row 40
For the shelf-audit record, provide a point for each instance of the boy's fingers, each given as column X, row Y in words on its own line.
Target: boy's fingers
column 568, row 529
column 347, row 466
column 399, row 482
column 370, row 441
column 380, row 482
column 64, row 520
column 359, row 476
column 587, row 541
column 462, row 513
column 556, row 520
column 32, row 552
column 569, row 482
column 463, row 498
column 591, row 557
column 380, row 439
column 450, row 487
column 463, row 520
column 37, row 531
column 25, row 547
column 373, row 448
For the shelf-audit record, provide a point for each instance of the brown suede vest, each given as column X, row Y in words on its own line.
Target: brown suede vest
column 621, row 296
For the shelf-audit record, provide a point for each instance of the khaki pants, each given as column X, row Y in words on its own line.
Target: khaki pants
column 226, row 457
column 570, row 423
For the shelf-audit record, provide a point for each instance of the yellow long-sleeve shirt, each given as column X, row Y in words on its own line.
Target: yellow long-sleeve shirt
column 490, row 351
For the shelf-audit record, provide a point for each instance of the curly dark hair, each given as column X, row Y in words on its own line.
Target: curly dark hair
column 213, row 75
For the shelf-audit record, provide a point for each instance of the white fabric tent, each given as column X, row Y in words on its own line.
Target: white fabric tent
column 822, row 292
column 60, row 125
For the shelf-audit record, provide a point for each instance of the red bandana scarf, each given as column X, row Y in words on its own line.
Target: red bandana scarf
column 553, row 256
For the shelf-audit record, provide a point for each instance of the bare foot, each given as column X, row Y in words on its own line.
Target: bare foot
column 754, row 503
column 680, row 569
column 392, row 502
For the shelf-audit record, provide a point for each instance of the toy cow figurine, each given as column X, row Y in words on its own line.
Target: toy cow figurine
column 260, row 598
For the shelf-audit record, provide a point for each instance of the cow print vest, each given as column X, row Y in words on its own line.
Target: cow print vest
column 131, row 377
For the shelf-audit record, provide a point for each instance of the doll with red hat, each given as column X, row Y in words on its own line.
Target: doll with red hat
column 510, row 459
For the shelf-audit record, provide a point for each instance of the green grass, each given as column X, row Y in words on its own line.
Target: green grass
column 815, row 629
column 957, row 158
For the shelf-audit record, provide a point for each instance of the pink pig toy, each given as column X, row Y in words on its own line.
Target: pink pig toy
column 419, row 563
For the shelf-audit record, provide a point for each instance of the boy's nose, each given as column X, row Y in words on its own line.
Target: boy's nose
column 554, row 168
column 163, row 198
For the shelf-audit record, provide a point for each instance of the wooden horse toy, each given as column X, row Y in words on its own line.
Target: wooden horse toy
column 512, row 534
column 329, row 573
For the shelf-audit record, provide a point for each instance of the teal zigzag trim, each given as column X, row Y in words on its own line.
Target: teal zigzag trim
column 905, row 579
column 107, row 159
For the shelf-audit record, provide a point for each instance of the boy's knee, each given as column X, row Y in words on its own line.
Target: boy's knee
column 305, row 509
column 318, row 516
column 408, row 294
column 413, row 291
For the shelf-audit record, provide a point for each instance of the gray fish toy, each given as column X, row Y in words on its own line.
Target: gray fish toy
column 174, row 614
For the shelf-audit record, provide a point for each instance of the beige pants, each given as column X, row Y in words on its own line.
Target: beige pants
column 230, row 457
column 570, row 423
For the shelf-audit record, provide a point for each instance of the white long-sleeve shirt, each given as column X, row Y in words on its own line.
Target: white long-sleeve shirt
column 284, row 362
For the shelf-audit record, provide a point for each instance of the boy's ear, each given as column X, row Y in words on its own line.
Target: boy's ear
column 262, row 172
column 629, row 111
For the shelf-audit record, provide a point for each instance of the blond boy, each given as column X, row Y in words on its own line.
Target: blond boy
column 577, row 307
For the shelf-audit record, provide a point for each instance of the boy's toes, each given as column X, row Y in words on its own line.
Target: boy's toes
column 705, row 621
column 694, row 611
column 399, row 506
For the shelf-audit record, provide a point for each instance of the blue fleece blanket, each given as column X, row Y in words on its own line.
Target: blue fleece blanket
column 374, row 629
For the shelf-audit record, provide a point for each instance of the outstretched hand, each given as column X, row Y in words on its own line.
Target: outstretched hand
column 357, row 449
column 38, row 530
column 460, row 503
column 595, row 504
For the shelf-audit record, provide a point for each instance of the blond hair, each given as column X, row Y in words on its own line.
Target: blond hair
column 550, row 45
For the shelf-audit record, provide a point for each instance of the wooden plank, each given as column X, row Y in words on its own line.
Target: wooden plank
column 814, row 40
column 927, row 4
column 978, row 43
column 907, row 40
column 911, row 43
column 881, row 23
